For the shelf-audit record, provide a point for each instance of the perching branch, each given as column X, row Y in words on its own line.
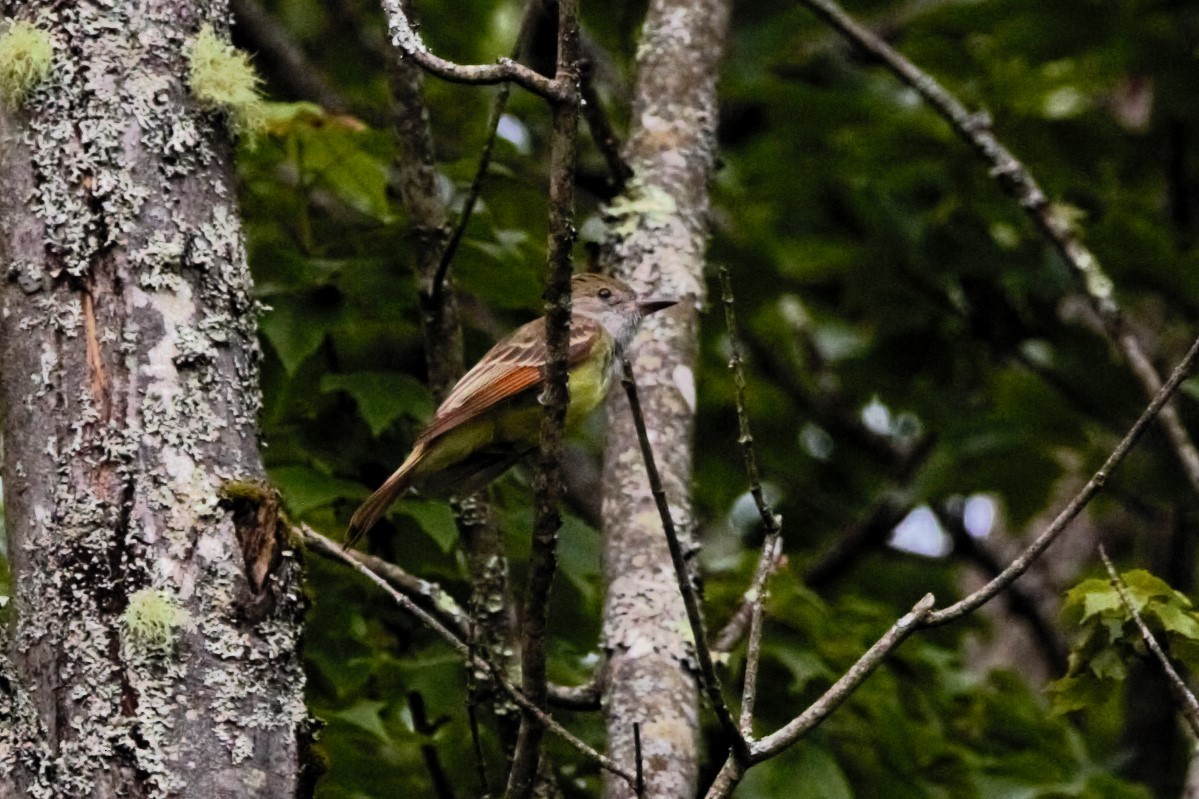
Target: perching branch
column 1187, row 703
column 505, row 70
column 703, row 653
column 327, row 547
column 548, row 484
column 1018, row 182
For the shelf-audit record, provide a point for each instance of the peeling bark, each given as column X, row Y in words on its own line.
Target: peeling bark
column 657, row 241
column 130, row 395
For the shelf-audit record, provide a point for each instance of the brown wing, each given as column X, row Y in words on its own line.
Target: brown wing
column 512, row 366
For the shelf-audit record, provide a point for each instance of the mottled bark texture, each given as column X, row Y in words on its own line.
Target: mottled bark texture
column 143, row 660
column 658, row 234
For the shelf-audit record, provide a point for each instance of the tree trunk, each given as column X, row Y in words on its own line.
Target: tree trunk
column 157, row 599
column 659, row 229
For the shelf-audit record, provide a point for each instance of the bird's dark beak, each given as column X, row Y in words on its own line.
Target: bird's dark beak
column 647, row 307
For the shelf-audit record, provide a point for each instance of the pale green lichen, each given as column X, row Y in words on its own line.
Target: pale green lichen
column 641, row 203
column 154, row 620
column 222, row 79
column 26, row 55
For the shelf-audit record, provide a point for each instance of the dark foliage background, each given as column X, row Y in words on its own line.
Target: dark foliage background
column 911, row 341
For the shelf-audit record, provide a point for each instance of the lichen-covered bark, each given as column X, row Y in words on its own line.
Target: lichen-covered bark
column 659, row 227
column 130, row 391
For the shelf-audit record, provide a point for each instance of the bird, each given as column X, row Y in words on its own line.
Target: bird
column 491, row 417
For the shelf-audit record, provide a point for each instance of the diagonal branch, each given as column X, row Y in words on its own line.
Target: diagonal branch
column 923, row 616
column 1187, row 703
column 472, row 659
column 703, row 654
column 1075, row 506
column 1018, row 182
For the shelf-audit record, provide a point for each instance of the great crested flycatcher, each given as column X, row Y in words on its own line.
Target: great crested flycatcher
column 491, row 418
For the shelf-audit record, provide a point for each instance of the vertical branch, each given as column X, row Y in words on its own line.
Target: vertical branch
column 481, row 539
column 547, row 481
column 771, row 520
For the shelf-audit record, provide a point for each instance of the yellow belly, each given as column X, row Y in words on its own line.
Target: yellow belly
column 517, row 422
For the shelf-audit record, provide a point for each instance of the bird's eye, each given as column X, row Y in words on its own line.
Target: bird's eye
column 605, row 294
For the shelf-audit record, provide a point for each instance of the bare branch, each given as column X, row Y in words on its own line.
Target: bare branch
column 730, row 774
column 738, row 624
column 770, row 520
column 1188, row 705
column 316, row 540
column 1018, row 182
column 532, row 10
column 1021, row 603
column 441, row 605
column 703, row 654
column 923, row 615
column 602, row 134
column 548, row 484
column 842, row 688
column 505, row 70
column 1075, row 506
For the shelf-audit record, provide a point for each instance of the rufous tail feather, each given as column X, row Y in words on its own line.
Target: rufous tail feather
column 370, row 511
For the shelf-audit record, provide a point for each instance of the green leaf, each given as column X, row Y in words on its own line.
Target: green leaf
column 305, row 489
column 364, row 714
column 435, row 518
column 295, row 328
column 382, row 397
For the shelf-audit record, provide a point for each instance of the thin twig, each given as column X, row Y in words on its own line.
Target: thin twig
column 923, row 616
column 428, row 750
column 703, row 654
column 770, row 520
column 315, row 539
column 472, row 195
column 472, row 706
column 1018, row 182
column 602, row 133
column 640, row 786
column 498, row 104
column 1075, row 506
column 440, row 603
column 548, row 485
column 738, row 624
column 842, row 688
column 1020, row 602
column 1188, row 705
column 505, row 70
